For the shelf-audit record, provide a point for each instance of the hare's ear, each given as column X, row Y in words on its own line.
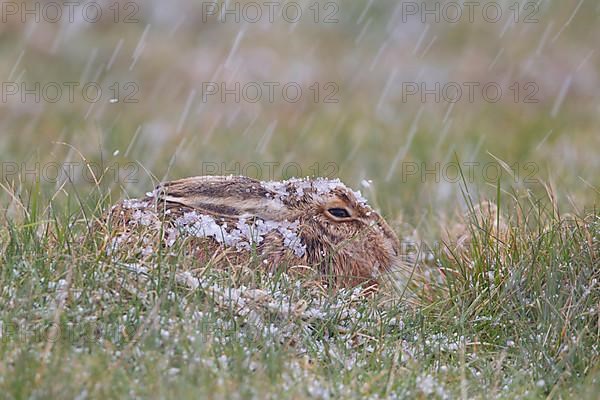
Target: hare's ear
column 223, row 196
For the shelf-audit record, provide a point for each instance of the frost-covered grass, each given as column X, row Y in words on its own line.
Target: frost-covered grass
column 517, row 318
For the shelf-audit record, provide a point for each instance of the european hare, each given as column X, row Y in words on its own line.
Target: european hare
column 316, row 223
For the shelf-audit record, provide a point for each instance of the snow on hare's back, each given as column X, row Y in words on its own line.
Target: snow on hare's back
column 319, row 223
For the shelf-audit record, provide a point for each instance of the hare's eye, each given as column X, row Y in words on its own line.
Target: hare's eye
column 339, row 212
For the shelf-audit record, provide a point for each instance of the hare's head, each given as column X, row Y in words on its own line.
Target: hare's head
column 337, row 229
column 342, row 233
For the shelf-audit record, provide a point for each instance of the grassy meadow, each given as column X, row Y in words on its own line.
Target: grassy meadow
column 427, row 114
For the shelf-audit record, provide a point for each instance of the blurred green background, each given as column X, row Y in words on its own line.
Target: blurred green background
column 356, row 118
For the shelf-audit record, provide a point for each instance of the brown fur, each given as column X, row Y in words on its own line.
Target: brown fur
column 343, row 251
column 484, row 220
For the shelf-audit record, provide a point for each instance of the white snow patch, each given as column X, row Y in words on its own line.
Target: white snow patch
column 244, row 235
column 135, row 204
column 299, row 187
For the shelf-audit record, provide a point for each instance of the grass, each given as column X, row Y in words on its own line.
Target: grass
column 512, row 314
column 516, row 316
